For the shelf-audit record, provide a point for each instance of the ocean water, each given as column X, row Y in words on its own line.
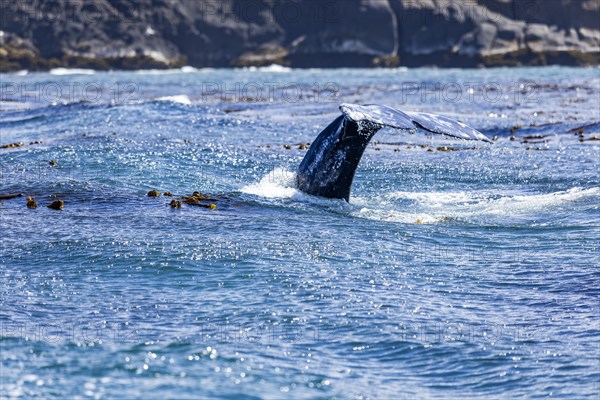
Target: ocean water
column 471, row 273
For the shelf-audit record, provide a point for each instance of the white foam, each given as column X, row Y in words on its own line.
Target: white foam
column 279, row 183
column 428, row 207
column 157, row 71
column 71, row 71
column 437, row 199
column 450, row 205
column 523, row 204
column 271, row 68
column 492, row 204
column 396, row 216
column 14, row 105
column 172, row 71
column 188, row 69
column 179, row 99
column 394, row 70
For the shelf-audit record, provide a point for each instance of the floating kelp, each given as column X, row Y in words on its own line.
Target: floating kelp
column 192, row 201
column 57, row 205
column 533, row 137
column 197, row 198
column 515, row 128
column 31, row 203
column 593, row 138
column 10, row 196
column 446, row 148
column 12, row 145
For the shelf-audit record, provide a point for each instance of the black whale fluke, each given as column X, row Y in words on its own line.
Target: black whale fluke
column 328, row 168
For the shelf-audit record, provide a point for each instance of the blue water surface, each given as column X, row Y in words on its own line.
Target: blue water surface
column 471, row 273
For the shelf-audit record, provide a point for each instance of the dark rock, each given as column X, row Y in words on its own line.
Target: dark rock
column 263, row 56
column 127, row 34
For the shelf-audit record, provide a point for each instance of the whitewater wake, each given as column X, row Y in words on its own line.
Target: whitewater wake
column 425, row 207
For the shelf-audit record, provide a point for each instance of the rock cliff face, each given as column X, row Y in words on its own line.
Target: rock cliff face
column 499, row 32
column 103, row 34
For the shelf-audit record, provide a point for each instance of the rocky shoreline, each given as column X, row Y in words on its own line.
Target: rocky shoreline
column 126, row 34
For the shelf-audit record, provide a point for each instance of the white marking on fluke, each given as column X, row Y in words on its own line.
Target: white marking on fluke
column 390, row 117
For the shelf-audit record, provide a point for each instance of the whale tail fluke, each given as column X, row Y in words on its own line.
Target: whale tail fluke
column 328, row 168
column 391, row 117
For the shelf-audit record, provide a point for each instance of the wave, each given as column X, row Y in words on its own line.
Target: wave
column 271, row 68
column 399, row 216
column 179, row 99
column 395, row 70
column 183, row 70
column 423, row 207
column 434, row 207
column 71, row 71
column 494, row 203
column 7, row 105
column 280, row 184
